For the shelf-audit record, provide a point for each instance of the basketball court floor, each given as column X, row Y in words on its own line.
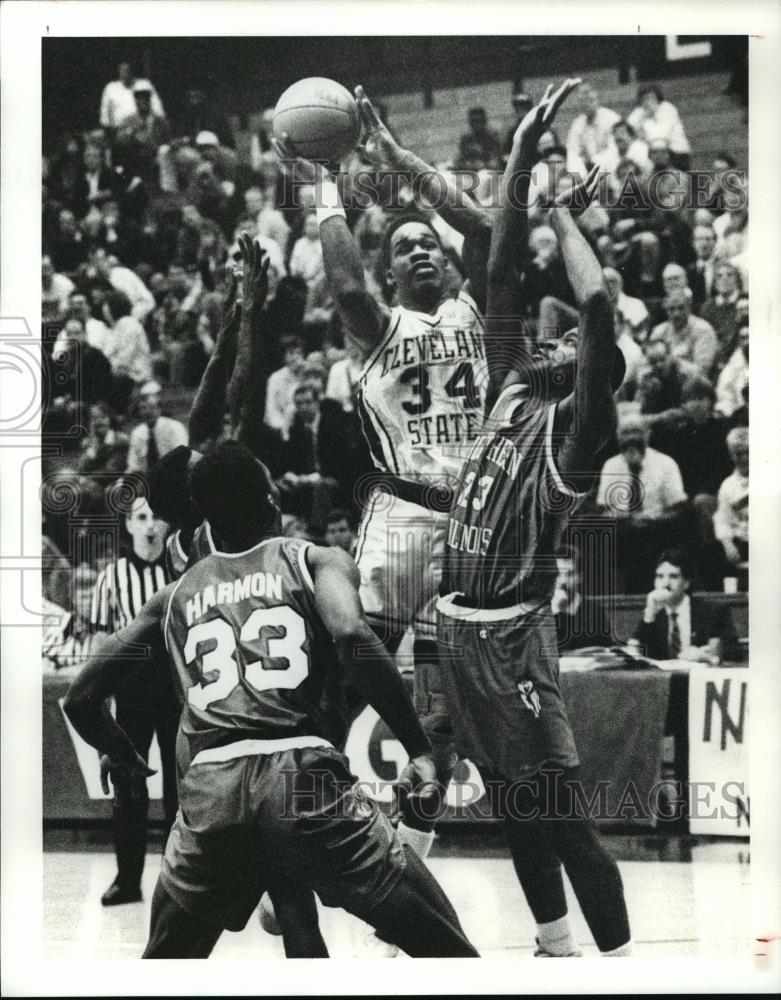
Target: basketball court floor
column 686, row 897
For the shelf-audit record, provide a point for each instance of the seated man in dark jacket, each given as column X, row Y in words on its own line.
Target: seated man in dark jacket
column 676, row 626
column 316, row 458
column 580, row 621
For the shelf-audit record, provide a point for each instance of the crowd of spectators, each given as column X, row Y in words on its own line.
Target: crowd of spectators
column 141, row 216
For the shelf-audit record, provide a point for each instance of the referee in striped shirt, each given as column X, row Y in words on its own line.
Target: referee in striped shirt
column 145, row 706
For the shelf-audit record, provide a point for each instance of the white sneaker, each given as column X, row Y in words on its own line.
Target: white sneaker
column 540, row 952
column 266, row 916
column 374, row 947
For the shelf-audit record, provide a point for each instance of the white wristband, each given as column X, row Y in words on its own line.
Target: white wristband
column 327, row 203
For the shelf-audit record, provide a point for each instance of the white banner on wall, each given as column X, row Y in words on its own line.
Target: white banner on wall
column 718, row 751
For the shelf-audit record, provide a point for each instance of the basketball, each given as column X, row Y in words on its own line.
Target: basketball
column 320, row 118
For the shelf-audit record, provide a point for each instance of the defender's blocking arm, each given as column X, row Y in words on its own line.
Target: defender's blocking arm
column 452, row 202
column 590, row 413
column 246, row 390
column 209, row 403
column 508, row 243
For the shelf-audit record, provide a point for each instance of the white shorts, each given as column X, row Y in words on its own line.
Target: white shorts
column 399, row 553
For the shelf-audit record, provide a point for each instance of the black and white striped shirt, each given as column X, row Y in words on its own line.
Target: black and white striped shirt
column 122, row 588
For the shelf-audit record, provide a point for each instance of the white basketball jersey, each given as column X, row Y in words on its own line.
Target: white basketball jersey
column 422, row 391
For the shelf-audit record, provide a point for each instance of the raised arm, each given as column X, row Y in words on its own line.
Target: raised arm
column 117, row 661
column 246, row 390
column 509, row 238
column 365, row 320
column 590, row 417
column 368, row 665
column 209, row 403
column 450, row 200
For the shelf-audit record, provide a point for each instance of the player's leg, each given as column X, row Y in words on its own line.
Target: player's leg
column 415, row 827
column 295, row 910
column 590, row 867
column 501, row 726
column 536, row 863
column 175, row 933
column 321, row 828
column 417, row 916
column 167, row 712
column 131, row 798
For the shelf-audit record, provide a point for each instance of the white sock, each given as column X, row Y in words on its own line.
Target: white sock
column 419, row 840
column 624, row 951
column 556, row 938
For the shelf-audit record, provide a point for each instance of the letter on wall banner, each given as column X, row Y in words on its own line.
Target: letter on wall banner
column 377, row 759
column 676, row 50
column 718, row 751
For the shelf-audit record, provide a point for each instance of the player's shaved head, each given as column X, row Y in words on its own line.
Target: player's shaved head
column 235, row 493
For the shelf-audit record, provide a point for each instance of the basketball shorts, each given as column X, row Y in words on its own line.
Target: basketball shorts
column 248, row 820
column 501, row 682
column 399, row 553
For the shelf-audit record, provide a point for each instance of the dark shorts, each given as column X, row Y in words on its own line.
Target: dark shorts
column 501, row 681
column 247, row 823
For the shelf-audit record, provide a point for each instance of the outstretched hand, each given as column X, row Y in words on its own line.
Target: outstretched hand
column 298, row 168
column 255, row 280
column 579, row 196
column 540, row 118
column 379, row 146
column 231, row 305
column 136, row 767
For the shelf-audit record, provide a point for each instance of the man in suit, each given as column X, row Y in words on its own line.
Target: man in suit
column 316, row 457
column 676, row 626
column 580, row 622
column 700, row 274
column 156, row 435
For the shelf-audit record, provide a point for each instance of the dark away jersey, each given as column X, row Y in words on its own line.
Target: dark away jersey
column 178, row 560
column 509, row 511
column 250, row 653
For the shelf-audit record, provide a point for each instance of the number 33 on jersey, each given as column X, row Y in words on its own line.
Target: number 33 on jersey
column 251, row 656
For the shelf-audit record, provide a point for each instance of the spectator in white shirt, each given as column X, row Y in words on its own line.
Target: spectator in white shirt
column 624, row 154
column 730, row 522
column 55, row 290
column 732, row 386
column 590, row 134
column 117, row 103
column 306, row 261
column 281, row 386
column 126, row 347
column 269, row 220
column 731, row 227
column 343, row 378
column 96, row 330
column 156, row 435
column 655, row 118
column 687, row 336
column 142, row 302
column 631, row 325
column 642, row 489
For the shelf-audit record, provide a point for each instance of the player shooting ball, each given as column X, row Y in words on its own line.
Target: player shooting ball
column 420, row 402
column 534, row 462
